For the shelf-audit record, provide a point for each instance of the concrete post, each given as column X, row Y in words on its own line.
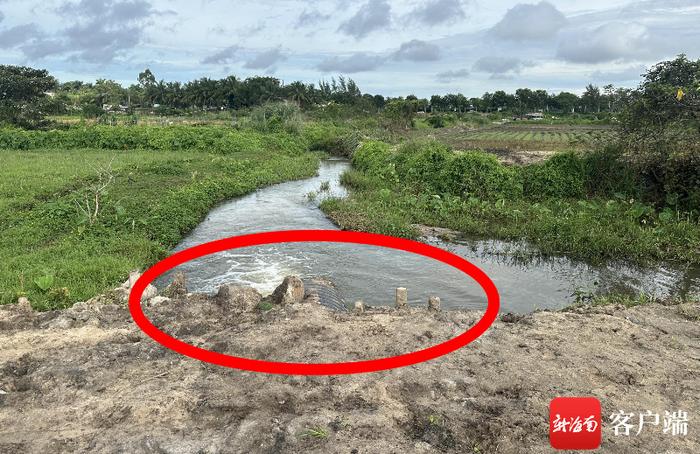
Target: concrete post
column 401, row 298
column 434, row 303
column 359, row 307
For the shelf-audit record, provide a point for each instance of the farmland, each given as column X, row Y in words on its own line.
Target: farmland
column 503, row 139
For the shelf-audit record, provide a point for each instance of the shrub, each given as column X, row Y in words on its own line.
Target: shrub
column 278, row 116
column 331, row 139
column 420, row 162
column 170, row 138
column 437, row 121
column 372, row 157
column 606, row 173
column 477, row 174
column 561, row 176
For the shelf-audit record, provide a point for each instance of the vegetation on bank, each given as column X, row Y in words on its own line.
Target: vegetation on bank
column 75, row 221
column 589, row 206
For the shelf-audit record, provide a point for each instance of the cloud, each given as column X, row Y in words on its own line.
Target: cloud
column 623, row 75
column 266, row 59
column 416, row 50
column 500, row 66
column 15, row 36
column 610, row 42
column 41, row 48
column 530, row 22
column 311, row 17
column 223, row 56
column 453, row 74
column 355, row 63
column 97, row 32
column 372, row 16
column 436, row 12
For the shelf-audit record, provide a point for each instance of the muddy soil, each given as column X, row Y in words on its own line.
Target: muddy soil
column 87, row 379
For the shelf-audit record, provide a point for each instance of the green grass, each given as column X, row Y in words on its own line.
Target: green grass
column 51, row 251
column 565, row 206
column 315, row 432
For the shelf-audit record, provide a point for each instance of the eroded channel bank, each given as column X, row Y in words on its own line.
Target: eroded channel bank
column 87, row 379
column 372, row 274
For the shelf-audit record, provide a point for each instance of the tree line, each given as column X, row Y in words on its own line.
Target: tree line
column 27, row 95
column 234, row 93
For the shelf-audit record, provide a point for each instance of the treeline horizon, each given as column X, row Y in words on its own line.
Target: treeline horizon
column 233, row 93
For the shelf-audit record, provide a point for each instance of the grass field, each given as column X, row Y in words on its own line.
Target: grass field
column 56, row 251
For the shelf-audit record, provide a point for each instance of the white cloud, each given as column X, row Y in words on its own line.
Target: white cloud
column 609, row 42
column 453, row 74
column 266, row 59
column 417, row 50
column 530, row 22
column 355, row 63
column 437, row 12
column 372, row 16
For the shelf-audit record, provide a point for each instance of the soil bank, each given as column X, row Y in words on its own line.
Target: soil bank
column 88, row 380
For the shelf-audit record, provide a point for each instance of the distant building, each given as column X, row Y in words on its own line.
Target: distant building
column 535, row 116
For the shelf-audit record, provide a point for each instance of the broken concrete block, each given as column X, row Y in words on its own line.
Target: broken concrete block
column 291, row 291
column 177, row 288
column 238, row 297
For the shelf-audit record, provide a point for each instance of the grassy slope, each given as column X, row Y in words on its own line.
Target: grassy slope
column 155, row 198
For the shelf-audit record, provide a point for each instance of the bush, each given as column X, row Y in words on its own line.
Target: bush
column 420, row 163
column 372, row 157
column 206, row 138
column 275, row 117
column 434, row 167
column 607, row 174
column 437, row 121
column 480, row 175
column 331, row 139
column 561, row 176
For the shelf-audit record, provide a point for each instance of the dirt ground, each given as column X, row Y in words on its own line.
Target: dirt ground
column 87, row 379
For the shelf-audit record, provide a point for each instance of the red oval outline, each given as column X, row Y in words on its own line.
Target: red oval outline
column 300, row 236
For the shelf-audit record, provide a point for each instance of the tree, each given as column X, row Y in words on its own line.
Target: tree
column 23, row 93
column 299, row 93
column 146, row 78
column 592, row 98
column 660, row 128
column 400, row 113
column 526, row 99
column 147, row 81
column 566, row 102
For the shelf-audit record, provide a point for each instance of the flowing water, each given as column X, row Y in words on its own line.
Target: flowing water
column 372, row 273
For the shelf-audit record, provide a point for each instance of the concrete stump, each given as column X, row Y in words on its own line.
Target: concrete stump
column 401, row 298
column 434, row 303
column 24, row 305
column 359, row 307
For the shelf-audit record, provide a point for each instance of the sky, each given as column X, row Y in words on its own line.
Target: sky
column 420, row 47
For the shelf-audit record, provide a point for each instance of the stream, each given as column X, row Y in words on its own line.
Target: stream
column 371, row 274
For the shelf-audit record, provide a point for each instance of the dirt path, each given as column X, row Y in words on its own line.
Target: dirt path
column 86, row 379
